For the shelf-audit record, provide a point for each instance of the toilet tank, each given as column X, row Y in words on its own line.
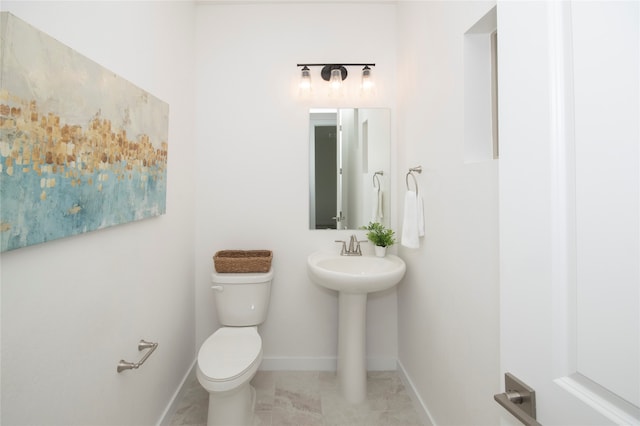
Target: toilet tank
column 242, row 299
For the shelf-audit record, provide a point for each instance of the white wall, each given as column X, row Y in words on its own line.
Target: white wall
column 252, row 176
column 72, row 308
column 448, row 301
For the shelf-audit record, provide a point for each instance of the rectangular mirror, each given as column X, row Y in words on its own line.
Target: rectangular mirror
column 349, row 167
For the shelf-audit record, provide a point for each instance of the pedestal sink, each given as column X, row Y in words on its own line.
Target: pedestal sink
column 353, row 277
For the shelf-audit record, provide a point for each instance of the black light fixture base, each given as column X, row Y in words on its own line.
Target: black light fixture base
column 326, row 71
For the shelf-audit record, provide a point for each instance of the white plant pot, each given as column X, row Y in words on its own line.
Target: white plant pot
column 380, row 251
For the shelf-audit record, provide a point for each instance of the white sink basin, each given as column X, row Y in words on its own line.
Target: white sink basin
column 355, row 274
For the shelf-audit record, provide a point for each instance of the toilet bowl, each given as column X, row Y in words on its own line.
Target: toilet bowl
column 227, row 361
column 230, row 357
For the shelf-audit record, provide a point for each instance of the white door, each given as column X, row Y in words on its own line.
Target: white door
column 342, row 206
column 570, row 207
column 346, row 167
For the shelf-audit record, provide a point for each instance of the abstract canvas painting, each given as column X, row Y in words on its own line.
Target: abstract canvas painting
column 81, row 148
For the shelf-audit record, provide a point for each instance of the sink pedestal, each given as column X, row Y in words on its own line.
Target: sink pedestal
column 352, row 368
column 353, row 277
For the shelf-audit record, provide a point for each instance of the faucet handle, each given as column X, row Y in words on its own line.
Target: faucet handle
column 344, row 246
column 354, row 245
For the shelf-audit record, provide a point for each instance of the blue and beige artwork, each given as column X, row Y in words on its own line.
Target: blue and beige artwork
column 81, row 149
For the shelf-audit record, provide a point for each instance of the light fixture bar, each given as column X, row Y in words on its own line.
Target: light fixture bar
column 335, row 64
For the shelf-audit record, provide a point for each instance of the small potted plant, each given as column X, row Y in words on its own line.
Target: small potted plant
column 380, row 236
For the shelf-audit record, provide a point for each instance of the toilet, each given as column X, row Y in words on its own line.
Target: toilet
column 230, row 357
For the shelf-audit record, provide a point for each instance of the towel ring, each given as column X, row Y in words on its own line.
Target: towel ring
column 417, row 169
column 376, row 179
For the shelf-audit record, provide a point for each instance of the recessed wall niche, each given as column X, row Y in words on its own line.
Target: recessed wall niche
column 481, row 90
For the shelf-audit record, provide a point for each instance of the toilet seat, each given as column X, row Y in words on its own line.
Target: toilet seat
column 229, row 354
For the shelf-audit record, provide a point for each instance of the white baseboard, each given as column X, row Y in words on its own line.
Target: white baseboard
column 166, row 417
column 321, row 364
column 419, row 404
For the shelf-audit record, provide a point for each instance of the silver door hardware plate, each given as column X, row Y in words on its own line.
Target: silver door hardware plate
column 527, row 397
column 519, row 399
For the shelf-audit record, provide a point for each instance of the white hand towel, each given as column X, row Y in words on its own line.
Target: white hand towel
column 410, row 229
column 376, row 203
column 420, row 216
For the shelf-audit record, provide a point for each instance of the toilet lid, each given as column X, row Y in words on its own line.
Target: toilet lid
column 229, row 352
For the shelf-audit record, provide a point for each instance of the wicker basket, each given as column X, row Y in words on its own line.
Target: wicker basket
column 242, row 261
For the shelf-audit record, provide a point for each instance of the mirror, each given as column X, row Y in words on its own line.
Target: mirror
column 349, row 167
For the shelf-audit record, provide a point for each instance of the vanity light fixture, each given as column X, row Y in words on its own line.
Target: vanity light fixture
column 335, row 74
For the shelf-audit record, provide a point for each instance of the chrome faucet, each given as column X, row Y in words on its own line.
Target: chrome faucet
column 354, row 247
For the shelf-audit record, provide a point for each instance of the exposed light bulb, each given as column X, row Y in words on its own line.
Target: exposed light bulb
column 336, row 79
column 305, row 80
column 367, row 81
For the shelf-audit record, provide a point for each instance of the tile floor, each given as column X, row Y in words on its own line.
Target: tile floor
column 305, row 398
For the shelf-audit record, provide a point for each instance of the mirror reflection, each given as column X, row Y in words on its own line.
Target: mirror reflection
column 349, row 167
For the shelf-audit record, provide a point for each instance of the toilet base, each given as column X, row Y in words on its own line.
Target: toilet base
column 233, row 408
